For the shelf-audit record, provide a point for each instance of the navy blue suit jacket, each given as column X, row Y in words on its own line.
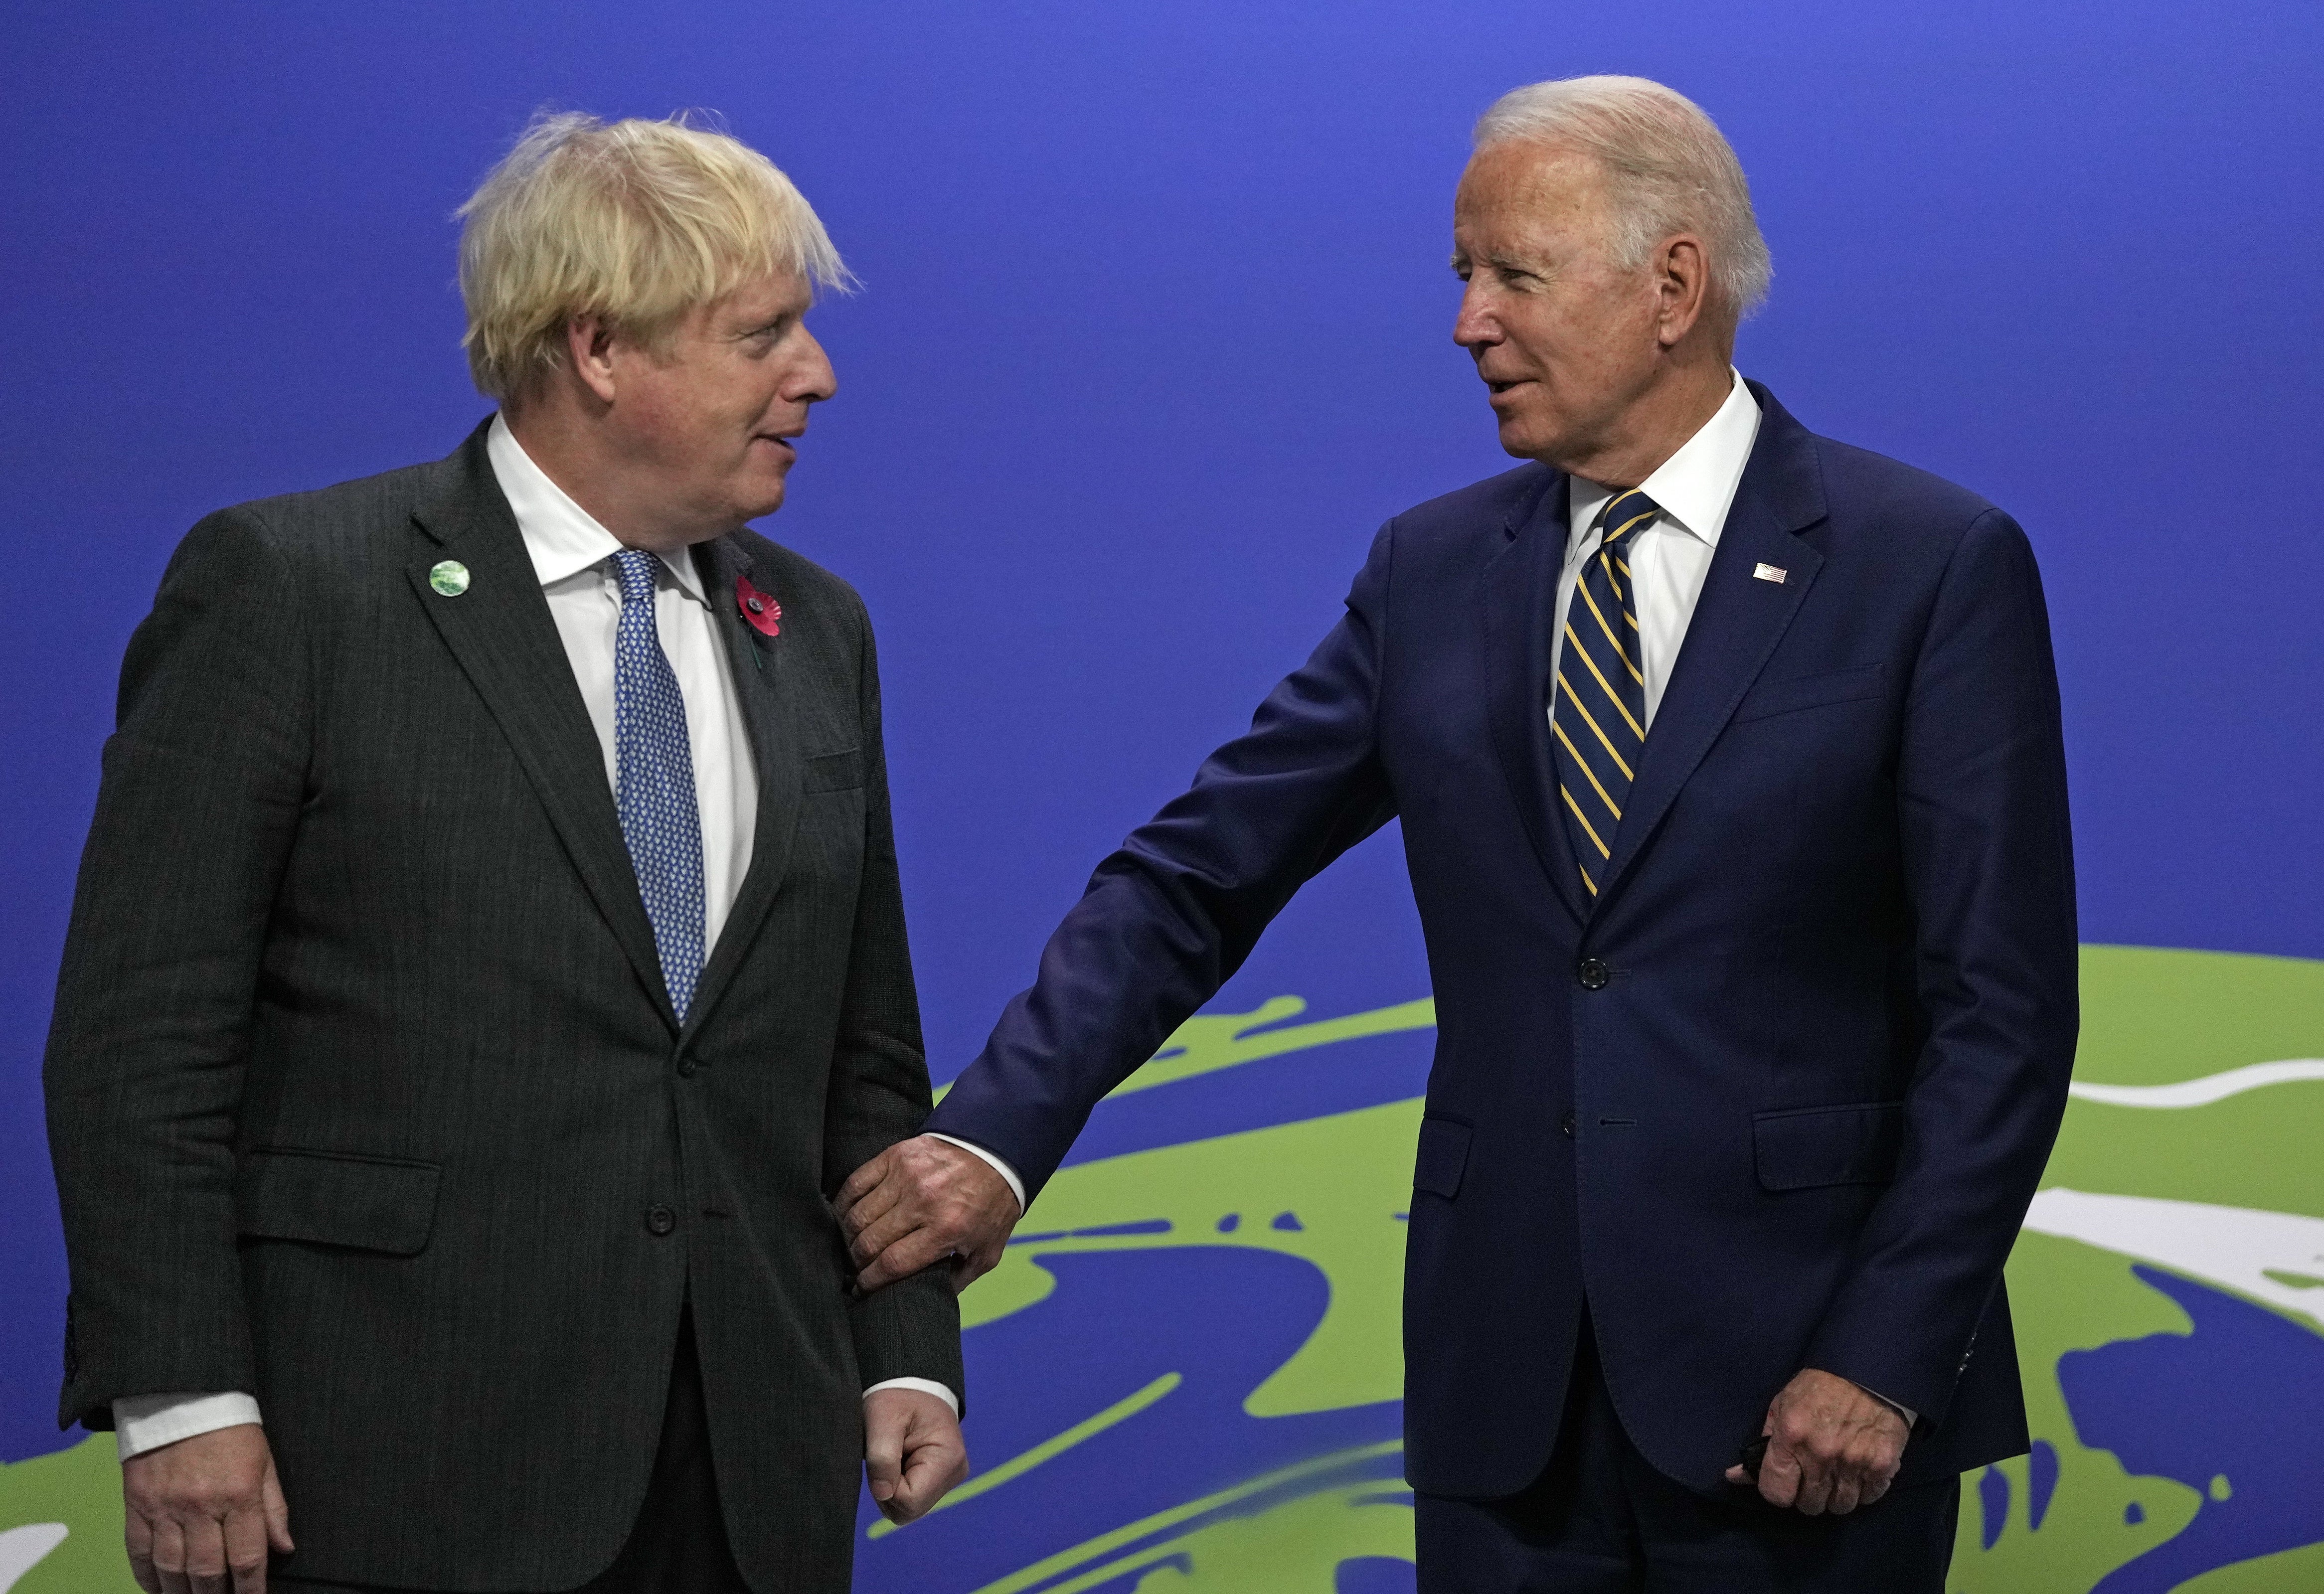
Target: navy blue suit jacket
column 1781, row 1096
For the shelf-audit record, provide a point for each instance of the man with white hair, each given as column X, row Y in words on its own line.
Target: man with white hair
column 1728, row 764
column 488, row 958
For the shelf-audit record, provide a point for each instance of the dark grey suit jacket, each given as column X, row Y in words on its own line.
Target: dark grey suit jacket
column 364, row 1092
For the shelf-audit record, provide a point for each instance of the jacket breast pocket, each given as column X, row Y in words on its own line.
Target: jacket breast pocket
column 370, row 1204
column 1443, row 1158
column 1789, row 696
column 1805, row 1147
column 835, row 771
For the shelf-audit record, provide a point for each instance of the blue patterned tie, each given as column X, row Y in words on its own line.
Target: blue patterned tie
column 1599, row 713
column 660, row 820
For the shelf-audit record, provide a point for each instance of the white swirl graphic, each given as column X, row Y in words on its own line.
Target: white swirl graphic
column 2203, row 1091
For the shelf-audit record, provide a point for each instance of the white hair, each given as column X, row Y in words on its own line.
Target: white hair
column 634, row 222
column 1668, row 169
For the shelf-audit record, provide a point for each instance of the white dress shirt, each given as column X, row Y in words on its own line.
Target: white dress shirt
column 572, row 555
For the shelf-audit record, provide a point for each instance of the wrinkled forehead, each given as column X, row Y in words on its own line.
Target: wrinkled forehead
column 1516, row 188
column 775, row 292
column 755, row 301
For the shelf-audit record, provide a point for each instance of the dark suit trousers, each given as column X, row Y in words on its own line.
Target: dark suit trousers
column 1600, row 1520
column 678, row 1544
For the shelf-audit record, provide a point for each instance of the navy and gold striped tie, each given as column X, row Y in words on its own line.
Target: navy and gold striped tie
column 1599, row 711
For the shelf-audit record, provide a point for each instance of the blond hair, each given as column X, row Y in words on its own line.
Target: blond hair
column 633, row 222
column 1668, row 169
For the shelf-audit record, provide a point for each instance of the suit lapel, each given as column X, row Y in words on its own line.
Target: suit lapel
column 1518, row 592
column 1737, row 621
column 501, row 631
column 756, row 666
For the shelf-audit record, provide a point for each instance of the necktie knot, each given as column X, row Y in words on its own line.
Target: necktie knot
column 634, row 569
column 1627, row 514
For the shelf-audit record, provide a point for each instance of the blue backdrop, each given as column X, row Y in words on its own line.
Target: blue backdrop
column 1155, row 331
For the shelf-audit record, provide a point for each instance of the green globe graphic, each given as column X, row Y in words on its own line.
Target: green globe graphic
column 1186, row 1375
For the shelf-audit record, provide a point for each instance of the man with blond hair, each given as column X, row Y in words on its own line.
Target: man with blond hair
column 488, row 957
column 1728, row 765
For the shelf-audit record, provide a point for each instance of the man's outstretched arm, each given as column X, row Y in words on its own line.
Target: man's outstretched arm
column 1166, row 921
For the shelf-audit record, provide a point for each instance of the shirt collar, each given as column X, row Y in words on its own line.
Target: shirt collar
column 1694, row 487
column 562, row 537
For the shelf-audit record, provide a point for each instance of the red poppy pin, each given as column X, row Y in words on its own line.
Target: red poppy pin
column 759, row 610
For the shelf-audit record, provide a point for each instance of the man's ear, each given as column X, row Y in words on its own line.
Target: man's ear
column 589, row 349
column 1681, row 286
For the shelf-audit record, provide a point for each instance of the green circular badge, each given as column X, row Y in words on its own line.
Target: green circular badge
column 450, row 578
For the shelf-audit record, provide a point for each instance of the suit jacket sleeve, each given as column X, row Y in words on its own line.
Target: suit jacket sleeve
column 880, row 1080
column 196, row 811
column 1168, row 917
column 1988, row 860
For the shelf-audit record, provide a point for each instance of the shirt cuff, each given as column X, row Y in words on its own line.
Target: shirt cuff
column 1907, row 1413
column 1016, row 1184
column 148, row 1421
column 925, row 1386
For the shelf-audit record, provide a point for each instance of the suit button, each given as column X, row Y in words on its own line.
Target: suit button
column 686, row 1067
column 1593, row 974
column 1566, row 1124
column 659, row 1220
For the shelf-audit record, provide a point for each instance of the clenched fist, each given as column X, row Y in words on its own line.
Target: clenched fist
column 913, row 1452
column 1830, row 1446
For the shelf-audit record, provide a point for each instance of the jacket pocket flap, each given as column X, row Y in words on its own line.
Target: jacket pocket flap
column 1809, row 1147
column 1444, row 1156
column 835, row 771
column 368, row 1203
column 1838, row 686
